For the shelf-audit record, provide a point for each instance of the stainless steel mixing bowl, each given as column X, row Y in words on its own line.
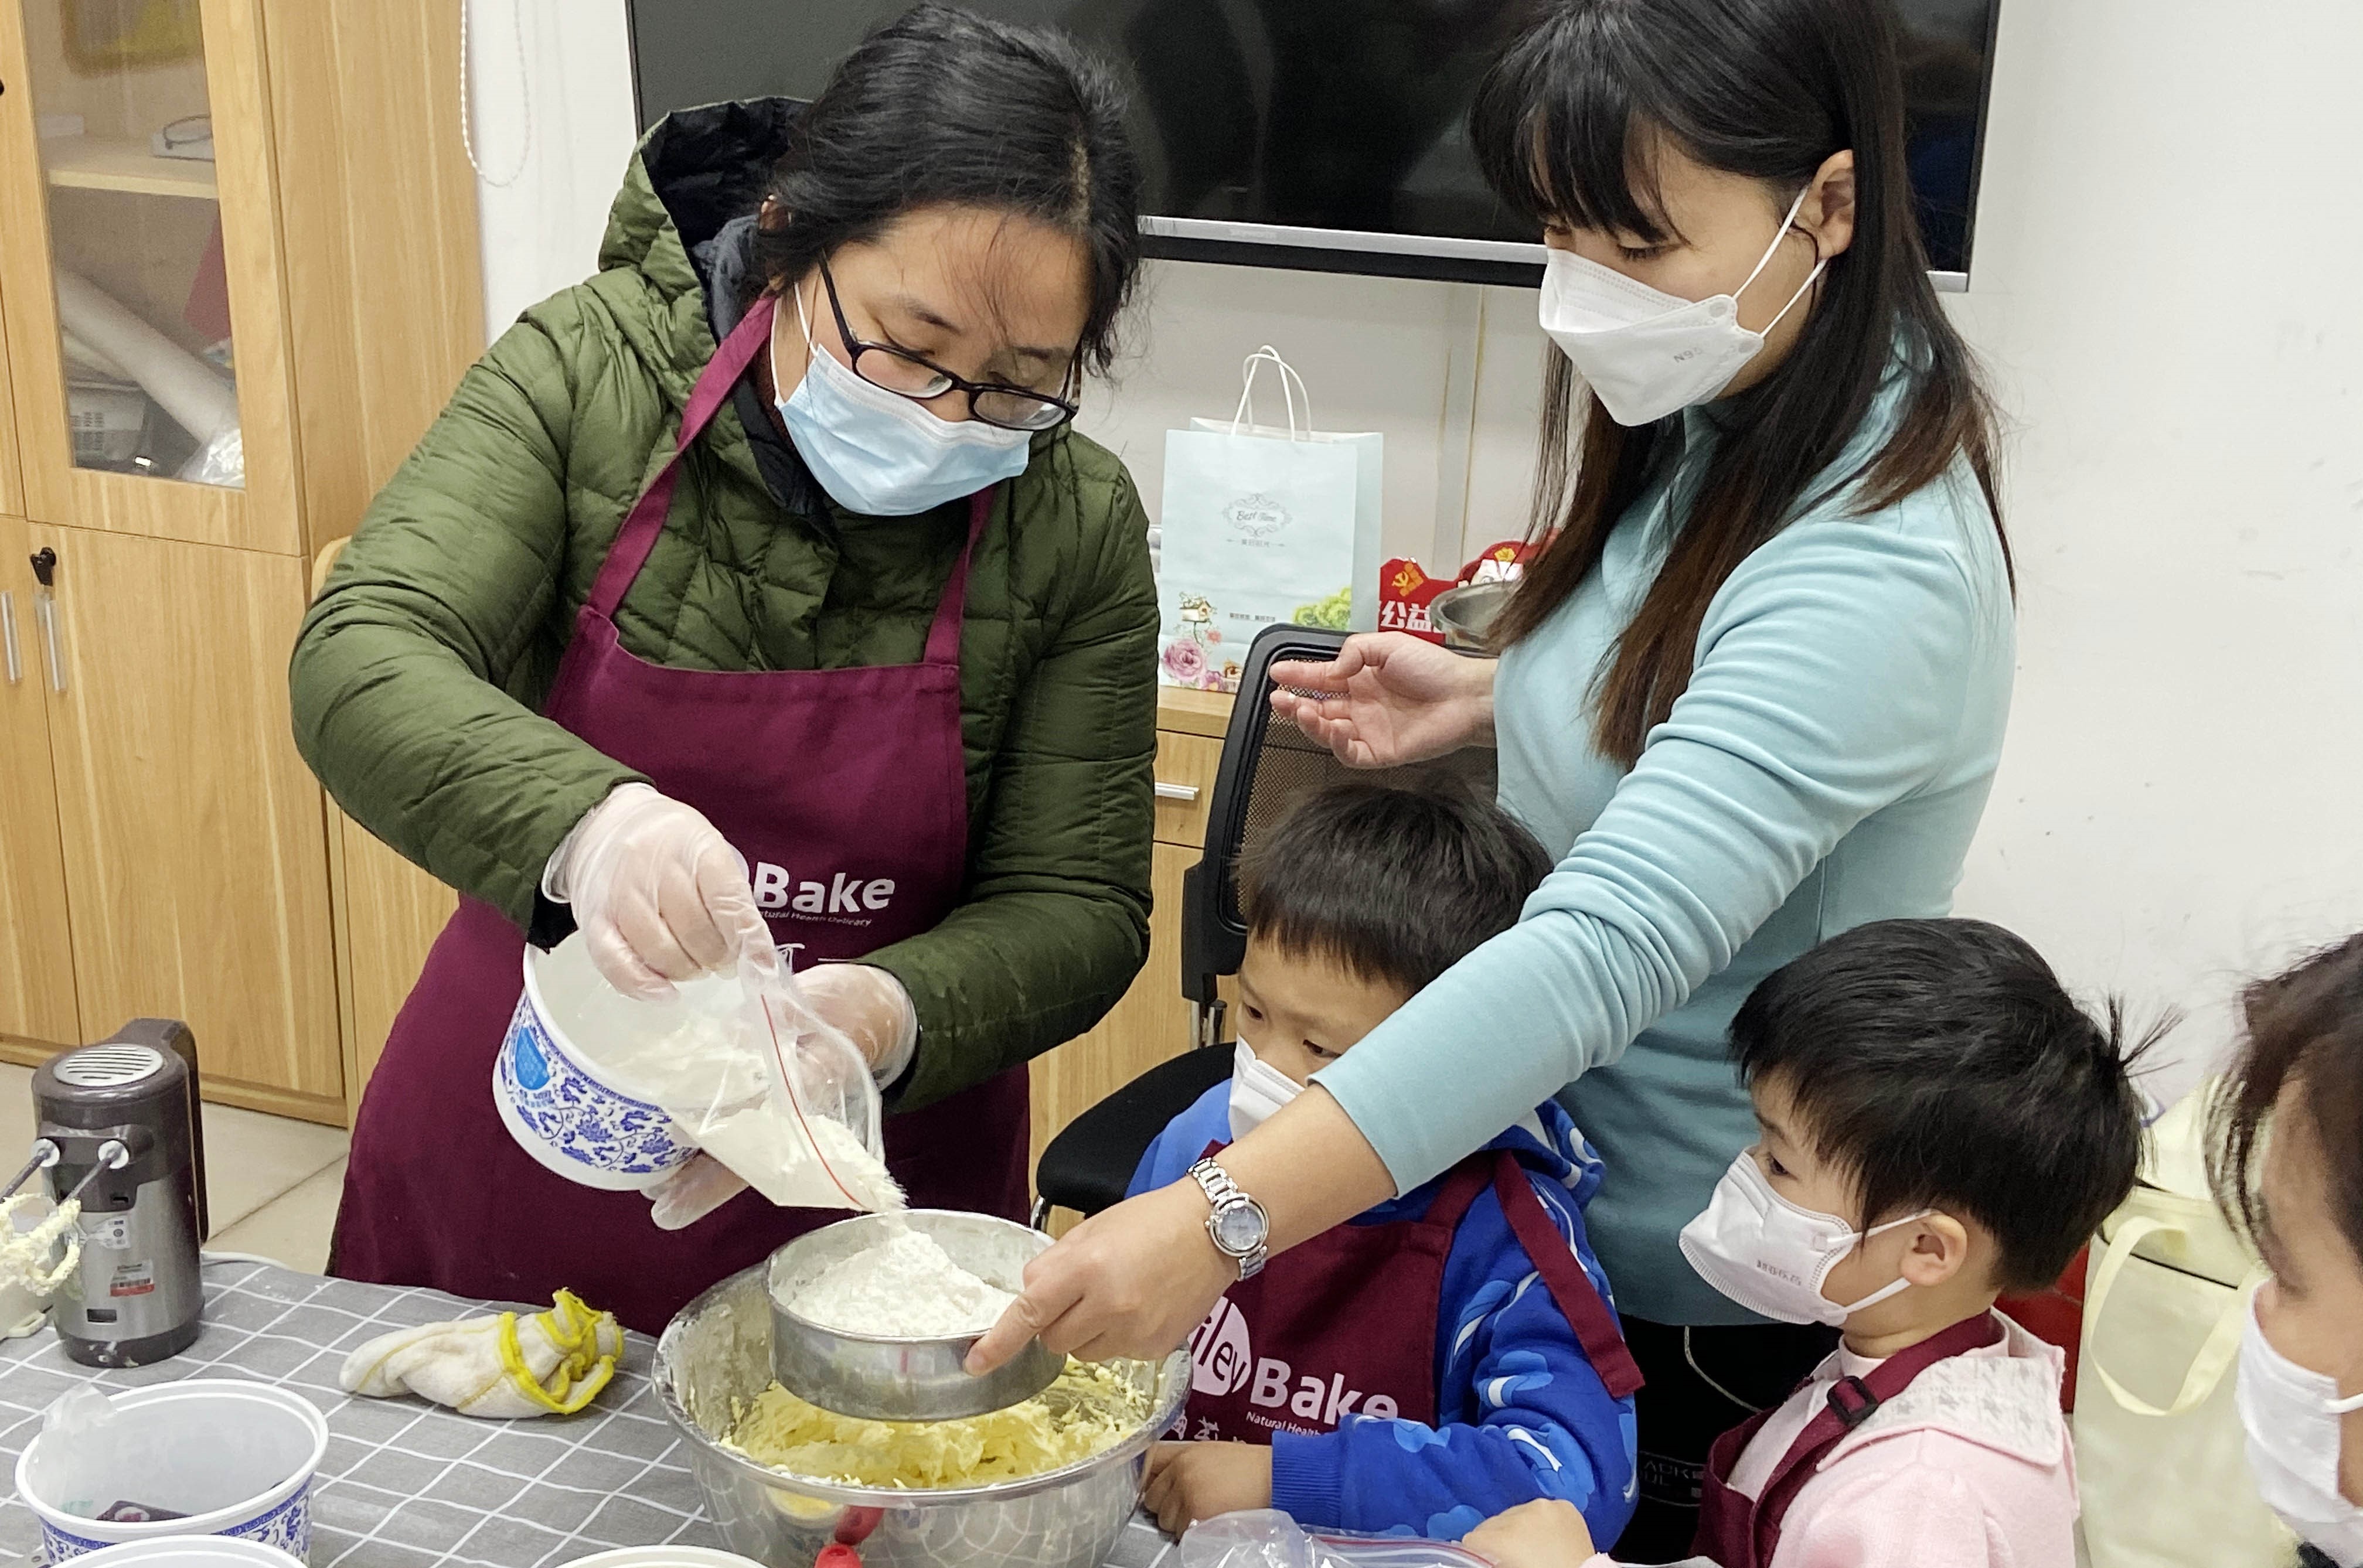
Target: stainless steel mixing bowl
column 1465, row 615
column 886, row 1379
column 719, row 1349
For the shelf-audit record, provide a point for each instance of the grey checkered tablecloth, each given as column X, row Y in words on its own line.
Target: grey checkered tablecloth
column 407, row 1484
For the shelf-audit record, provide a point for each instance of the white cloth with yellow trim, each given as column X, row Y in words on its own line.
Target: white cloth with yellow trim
column 502, row 1367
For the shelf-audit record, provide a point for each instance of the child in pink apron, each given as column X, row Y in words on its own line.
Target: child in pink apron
column 1452, row 1352
column 1940, row 1123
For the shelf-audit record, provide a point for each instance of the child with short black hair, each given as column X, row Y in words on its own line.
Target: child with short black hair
column 1940, row 1123
column 1452, row 1352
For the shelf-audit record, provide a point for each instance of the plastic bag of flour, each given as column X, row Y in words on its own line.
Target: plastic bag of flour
column 751, row 1074
column 1268, row 1539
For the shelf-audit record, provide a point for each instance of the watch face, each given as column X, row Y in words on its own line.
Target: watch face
column 1239, row 1228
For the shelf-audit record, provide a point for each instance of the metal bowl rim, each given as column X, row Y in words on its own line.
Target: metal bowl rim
column 1172, row 1381
column 955, row 1341
column 1479, row 592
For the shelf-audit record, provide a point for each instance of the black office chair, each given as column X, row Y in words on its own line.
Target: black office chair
column 1267, row 766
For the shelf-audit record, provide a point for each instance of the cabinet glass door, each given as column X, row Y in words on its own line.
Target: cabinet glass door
column 138, row 222
column 124, row 129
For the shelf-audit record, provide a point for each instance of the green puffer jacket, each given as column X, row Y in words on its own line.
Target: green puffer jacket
column 418, row 677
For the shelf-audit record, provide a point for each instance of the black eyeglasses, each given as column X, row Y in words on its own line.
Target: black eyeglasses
column 907, row 375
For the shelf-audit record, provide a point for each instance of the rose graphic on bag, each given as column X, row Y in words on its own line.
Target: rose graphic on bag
column 1188, row 659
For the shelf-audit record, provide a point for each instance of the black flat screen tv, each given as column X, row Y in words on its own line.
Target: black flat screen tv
column 1329, row 134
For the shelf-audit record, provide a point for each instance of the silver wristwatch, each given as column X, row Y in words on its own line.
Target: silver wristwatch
column 1237, row 1226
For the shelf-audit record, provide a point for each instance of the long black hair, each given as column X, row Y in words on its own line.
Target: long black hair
column 943, row 107
column 1566, row 123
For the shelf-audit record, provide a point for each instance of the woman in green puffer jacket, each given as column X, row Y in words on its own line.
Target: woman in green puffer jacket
column 866, row 676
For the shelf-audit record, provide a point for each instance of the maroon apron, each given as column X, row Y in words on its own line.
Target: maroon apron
column 1344, row 1324
column 847, row 792
column 1738, row 1531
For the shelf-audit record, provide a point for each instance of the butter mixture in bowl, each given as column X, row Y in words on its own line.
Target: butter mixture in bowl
column 1090, row 1409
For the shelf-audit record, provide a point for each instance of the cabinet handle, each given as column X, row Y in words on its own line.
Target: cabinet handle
column 1185, row 793
column 8, row 636
column 45, row 611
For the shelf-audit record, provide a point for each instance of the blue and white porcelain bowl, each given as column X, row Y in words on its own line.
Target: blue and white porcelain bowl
column 556, row 1105
column 189, row 1552
column 232, row 1459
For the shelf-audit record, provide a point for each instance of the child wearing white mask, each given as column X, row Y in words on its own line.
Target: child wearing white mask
column 1939, row 1123
column 1453, row 1352
column 2298, row 1192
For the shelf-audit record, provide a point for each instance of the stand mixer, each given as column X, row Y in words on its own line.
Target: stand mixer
column 119, row 1132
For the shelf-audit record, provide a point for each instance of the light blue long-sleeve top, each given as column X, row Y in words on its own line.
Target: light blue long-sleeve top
column 1825, row 767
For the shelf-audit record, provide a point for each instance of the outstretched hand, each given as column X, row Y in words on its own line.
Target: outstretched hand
column 1131, row 1282
column 1387, row 698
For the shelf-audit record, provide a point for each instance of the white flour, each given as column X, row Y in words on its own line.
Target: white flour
column 906, row 1287
column 767, row 1148
column 718, row 1091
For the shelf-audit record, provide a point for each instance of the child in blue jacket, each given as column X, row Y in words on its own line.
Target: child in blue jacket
column 1449, row 1354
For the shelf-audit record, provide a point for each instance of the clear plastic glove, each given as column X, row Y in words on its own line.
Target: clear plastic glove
column 693, row 1192
column 658, row 892
column 1389, row 698
column 868, row 1007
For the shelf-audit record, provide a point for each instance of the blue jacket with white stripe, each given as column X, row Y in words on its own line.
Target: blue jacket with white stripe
column 1521, row 1412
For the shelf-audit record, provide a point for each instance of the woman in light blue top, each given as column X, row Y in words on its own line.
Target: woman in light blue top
column 1752, row 691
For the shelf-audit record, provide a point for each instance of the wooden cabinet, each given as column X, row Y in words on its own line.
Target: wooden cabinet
column 196, row 851
column 12, row 489
column 388, row 913
column 1152, row 1022
column 125, row 271
column 239, row 273
column 36, row 971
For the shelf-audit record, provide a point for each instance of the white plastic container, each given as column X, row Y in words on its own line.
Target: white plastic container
column 553, row 1100
column 189, row 1552
column 237, row 1459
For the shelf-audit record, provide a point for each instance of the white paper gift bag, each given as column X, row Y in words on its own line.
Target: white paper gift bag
column 1263, row 524
column 2160, row 1458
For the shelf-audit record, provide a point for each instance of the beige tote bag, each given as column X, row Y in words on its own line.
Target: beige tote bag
column 2160, row 1456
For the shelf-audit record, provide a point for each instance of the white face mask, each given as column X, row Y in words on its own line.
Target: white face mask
column 1258, row 1089
column 1769, row 1255
column 879, row 453
column 1644, row 353
column 2292, row 1418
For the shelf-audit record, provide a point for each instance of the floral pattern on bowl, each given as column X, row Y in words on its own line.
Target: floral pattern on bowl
column 287, row 1527
column 577, row 1119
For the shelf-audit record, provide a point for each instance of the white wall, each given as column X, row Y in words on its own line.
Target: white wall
column 2168, row 286
column 556, row 127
